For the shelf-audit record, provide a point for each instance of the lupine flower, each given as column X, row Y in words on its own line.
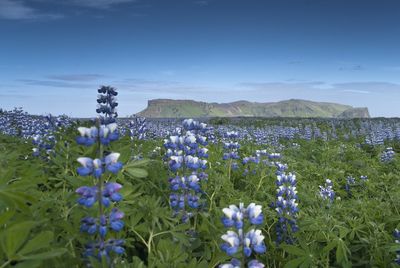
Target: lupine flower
column 254, row 240
column 184, row 155
column 90, row 167
column 396, row 235
column 115, row 220
column 232, row 243
column 88, row 195
column 112, row 164
column 246, row 243
column 109, row 192
column 235, row 263
column 87, row 136
column 387, row 155
column 349, row 182
column 88, row 225
column 327, row 192
column 286, row 206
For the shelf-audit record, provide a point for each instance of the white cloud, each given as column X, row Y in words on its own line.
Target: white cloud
column 102, row 4
column 18, row 10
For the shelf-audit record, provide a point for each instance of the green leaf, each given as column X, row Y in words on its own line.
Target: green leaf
column 46, row 255
column 293, row 250
column 137, row 172
column 5, row 216
column 295, row 262
column 137, row 163
column 15, row 236
column 40, row 241
column 330, row 246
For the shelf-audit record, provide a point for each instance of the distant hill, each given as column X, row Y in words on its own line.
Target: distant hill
column 166, row 108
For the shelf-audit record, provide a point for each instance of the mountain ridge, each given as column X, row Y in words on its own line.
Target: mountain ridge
column 169, row 108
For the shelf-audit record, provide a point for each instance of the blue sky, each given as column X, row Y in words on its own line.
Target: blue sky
column 55, row 54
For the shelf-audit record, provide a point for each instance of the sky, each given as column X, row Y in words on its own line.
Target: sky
column 55, row 54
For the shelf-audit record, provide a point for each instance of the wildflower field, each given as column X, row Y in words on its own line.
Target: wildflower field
column 126, row 192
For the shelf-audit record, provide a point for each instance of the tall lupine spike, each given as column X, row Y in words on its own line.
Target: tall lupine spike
column 327, row 192
column 286, row 207
column 396, row 235
column 103, row 193
column 184, row 157
column 238, row 242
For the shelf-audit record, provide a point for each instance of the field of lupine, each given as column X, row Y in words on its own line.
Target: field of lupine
column 113, row 192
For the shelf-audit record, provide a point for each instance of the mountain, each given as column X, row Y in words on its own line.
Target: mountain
column 166, row 108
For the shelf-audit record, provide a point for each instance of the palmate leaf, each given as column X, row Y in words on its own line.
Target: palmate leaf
column 46, row 255
column 40, row 241
column 136, row 172
column 137, row 163
column 14, row 237
column 16, row 199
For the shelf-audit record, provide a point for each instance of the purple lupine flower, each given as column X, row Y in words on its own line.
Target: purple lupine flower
column 88, row 195
column 111, row 193
column 116, row 224
column 112, row 163
column 327, row 192
column 396, row 235
column 253, row 240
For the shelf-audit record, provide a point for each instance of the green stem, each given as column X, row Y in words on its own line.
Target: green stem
column 101, row 180
column 6, row 263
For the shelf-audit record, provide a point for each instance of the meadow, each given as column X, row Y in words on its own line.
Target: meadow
column 173, row 193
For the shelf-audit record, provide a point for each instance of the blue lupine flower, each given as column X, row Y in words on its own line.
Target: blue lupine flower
column 87, row 136
column 388, row 155
column 235, row 263
column 232, row 242
column 112, row 163
column 349, row 182
column 327, row 192
column 286, row 206
column 184, row 157
column 111, row 193
column 255, row 264
column 252, row 241
column 90, row 167
column 396, row 235
column 103, row 226
column 88, row 225
column 103, row 134
column 115, row 220
column 195, row 163
column 108, row 133
column 255, row 214
column 88, row 195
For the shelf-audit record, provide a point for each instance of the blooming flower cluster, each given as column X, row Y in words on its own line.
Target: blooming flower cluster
column 104, row 195
column 107, row 104
column 137, row 128
column 396, row 235
column 237, row 239
column 349, row 182
column 287, row 208
column 387, row 155
column 186, row 155
column 231, row 148
column 327, row 192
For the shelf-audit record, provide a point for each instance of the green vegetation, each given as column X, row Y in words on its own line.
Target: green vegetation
column 162, row 108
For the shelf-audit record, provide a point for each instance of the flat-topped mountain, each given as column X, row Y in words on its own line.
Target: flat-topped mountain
column 167, row 108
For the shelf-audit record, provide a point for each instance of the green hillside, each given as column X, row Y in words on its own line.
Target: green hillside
column 166, row 108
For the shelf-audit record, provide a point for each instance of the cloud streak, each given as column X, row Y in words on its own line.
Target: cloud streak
column 77, row 77
column 100, row 4
column 19, row 10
